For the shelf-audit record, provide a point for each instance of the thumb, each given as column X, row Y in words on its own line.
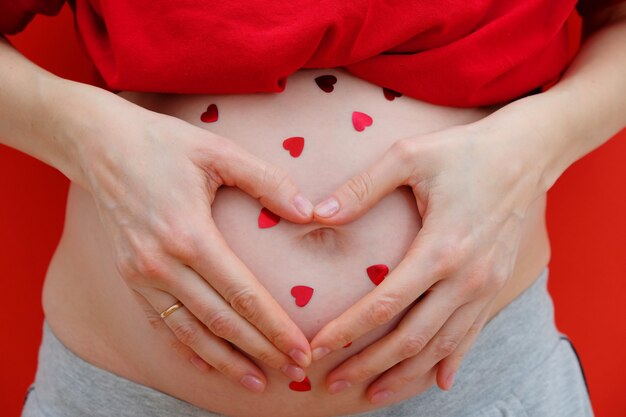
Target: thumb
column 269, row 184
column 356, row 196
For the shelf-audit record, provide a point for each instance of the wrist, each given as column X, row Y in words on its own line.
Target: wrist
column 535, row 136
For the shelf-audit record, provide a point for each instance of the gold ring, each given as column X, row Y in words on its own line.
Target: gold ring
column 171, row 309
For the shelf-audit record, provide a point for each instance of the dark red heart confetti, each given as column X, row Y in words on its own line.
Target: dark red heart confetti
column 326, row 82
column 304, row 385
column 210, row 115
column 390, row 94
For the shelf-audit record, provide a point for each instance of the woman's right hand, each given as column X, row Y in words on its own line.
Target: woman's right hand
column 153, row 178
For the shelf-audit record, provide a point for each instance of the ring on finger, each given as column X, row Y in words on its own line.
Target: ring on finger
column 171, row 309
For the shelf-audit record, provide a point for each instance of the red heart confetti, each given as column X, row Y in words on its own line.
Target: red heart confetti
column 302, row 294
column 361, row 120
column 304, row 385
column 210, row 115
column 390, row 94
column 267, row 219
column 326, row 82
column 294, row 145
column 347, row 345
column 377, row 273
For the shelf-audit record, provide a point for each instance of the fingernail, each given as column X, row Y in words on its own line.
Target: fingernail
column 303, row 205
column 299, row 357
column 381, row 396
column 320, row 352
column 338, row 386
column 327, row 208
column 252, row 383
column 199, row 363
column 450, row 381
column 293, row 372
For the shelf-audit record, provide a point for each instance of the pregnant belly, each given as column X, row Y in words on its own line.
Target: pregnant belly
column 322, row 134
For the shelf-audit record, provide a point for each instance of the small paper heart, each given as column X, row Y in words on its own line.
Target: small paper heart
column 361, row 120
column 304, row 385
column 377, row 273
column 210, row 115
column 267, row 219
column 390, row 94
column 326, row 82
column 294, row 145
column 302, row 294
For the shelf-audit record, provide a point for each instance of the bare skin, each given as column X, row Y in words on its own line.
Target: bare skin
column 331, row 259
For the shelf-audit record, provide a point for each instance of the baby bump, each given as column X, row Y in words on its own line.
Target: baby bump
column 325, row 127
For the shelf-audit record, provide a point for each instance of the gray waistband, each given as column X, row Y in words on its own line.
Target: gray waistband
column 514, row 342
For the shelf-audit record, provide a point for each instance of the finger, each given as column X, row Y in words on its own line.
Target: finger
column 448, row 366
column 219, row 317
column 227, row 274
column 213, row 350
column 157, row 323
column 443, row 344
column 352, row 199
column 271, row 185
column 426, row 262
column 409, row 338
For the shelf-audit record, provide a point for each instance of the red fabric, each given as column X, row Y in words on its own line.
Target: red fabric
column 448, row 52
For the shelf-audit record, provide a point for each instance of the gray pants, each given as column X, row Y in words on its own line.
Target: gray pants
column 520, row 366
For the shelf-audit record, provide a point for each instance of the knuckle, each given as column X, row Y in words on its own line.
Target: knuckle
column 126, row 267
column 500, row 279
column 274, row 179
column 227, row 368
column 148, row 264
column 270, row 358
column 412, row 344
column 154, row 320
column 363, row 373
column 383, row 310
column 445, row 346
column 245, row 302
column 360, row 187
column 181, row 243
column 187, row 333
column 221, row 324
column 474, row 282
column 404, row 379
column 404, row 150
column 449, row 256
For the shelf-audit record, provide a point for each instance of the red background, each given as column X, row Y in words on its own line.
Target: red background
column 585, row 218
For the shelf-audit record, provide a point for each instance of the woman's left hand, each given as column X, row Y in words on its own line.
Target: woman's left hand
column 473, row 185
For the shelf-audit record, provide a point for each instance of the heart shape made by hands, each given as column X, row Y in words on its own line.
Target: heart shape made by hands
column 267, row 219
column 302, row 294
column 390, row 94
column 326, row 82
column 210, row 115
column 304, row 385
column 361, row 120
column 294, row 145
column 377, row 273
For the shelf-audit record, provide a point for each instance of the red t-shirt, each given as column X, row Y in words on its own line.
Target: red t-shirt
column 448, row 52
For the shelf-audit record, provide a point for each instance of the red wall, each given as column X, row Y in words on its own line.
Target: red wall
column 585, row 215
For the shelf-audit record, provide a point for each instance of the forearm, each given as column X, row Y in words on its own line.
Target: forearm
column 43, row 115
column 586, row 108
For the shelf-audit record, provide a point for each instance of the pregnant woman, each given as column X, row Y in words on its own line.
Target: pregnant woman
column 193, row 192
